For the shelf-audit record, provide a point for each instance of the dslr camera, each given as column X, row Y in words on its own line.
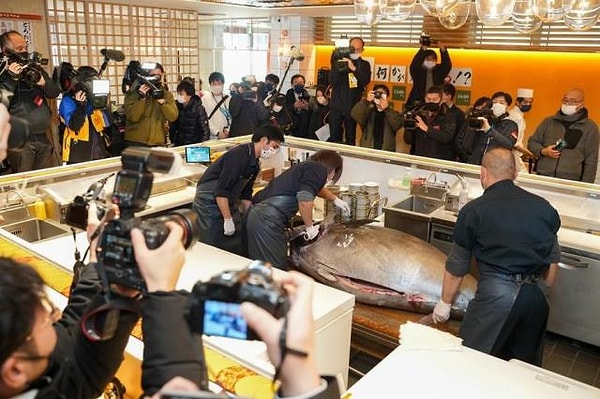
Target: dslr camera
column 31, row 63
column 426, row 40
column 133, row 185
column 77, row 211
column 337, row 58
column 476, row 116
column 138, row 74
column 214, row 305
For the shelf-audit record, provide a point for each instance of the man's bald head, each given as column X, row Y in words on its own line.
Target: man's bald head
column 497, row 164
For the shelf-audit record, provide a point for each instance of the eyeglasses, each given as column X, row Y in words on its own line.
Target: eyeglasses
column 570, row 101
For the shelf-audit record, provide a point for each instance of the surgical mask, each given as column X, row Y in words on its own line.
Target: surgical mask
column 429, row 64
column 432, row 106
column 525, row 107
column 180, row 99
column 298, row 89
column 268, row 87
column 568, row 109
column 322, row 100
column 498, row 109
column 216, row 89
column 277, row 108
column 268, row 153
column 354, row 56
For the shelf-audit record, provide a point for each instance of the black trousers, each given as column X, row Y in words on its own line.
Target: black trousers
column 336, row 118
column 522, row 335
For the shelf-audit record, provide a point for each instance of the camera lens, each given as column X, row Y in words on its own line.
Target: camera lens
column 188, row 220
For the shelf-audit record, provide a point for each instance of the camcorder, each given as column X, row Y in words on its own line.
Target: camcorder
column 426, row 40
column 337, row 58
column 84, row 79
column 138, row 74
column 417, row 108
column 19, row 127
column 31, row 62
column 214, row 306
column 475, row 118
column 249, row 90
column 133, row 185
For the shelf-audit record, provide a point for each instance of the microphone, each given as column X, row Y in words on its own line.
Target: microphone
column 296, row 53
column 116, row 55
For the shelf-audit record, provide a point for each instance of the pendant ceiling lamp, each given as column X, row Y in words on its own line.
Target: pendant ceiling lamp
column 525, row 16
column 550, row 10
column 458, row 15
column 367, row 12
column 494, row 12
column 582, row 15
column 438, row 8
column 397, row 10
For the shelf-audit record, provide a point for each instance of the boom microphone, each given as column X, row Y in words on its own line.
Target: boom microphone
column 296, row 53
column 116, row 55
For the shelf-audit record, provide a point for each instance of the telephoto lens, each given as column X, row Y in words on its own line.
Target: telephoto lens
column 186, row 218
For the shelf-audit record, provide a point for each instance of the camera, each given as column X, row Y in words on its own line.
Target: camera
column 31, row 63
column 378, row 95
column 560, row 145
column 249, row 91
column 133, row 185
column 337, row 58
column 19, row 127
column 77, row 211
column 426, row 40
column 84, row 78
column 138, row 74
column 476, row 116
column 214, row 305
column 411, row 113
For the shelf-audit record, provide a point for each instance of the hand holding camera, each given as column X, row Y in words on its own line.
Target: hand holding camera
column 80, row 96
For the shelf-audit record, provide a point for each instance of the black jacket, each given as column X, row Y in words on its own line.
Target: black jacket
column 80, row 368
column 419, row 74
column 343, row 97
column 191, row 125
column 301, row 116
column 29, row 101
column 437, row 141
column 246, row 115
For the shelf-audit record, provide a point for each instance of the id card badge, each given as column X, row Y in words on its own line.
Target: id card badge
column 352, row 81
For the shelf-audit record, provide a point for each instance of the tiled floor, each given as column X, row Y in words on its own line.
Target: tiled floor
column 561, row 355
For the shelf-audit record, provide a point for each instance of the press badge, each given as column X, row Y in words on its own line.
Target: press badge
column 352, row 81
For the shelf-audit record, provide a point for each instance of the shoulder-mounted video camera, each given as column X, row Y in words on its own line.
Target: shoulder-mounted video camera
column 475, row 118
column 31, row 62
column 214, row 305
column 337, row 58
column 84, row 78
column 133, row 185
column 138, row 74
column 409, row 115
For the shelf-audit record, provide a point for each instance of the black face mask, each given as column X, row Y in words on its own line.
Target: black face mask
column 525, row 107
column 268, row 87
column 432, row 106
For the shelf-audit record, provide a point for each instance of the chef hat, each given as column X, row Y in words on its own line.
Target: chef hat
column 524, row 93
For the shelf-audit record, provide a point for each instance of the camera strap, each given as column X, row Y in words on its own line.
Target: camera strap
column 225, row 97
column 101, row 323
column 285, row 350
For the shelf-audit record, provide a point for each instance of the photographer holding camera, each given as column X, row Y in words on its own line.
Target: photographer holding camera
column 429, row 130
column 83, row 138
column 349, row 76
column 247, row 112
column 297, row 102
column 425, row 71
column 377, row 120
column 148, row 105
column 496, row 129
column 31, row 87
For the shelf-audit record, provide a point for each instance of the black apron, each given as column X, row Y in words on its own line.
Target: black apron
column 211, row 221
column 266, row 224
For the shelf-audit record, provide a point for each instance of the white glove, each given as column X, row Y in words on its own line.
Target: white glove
column 228, row 227
column 310, row 232
column 441, row 312
column 343, row 205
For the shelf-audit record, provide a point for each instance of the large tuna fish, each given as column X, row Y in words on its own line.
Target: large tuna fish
column 380, row 266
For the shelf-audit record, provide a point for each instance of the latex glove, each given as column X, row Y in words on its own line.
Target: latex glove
column 228, row 227
column 441, row 312
column 343, row 205
column 310, row 232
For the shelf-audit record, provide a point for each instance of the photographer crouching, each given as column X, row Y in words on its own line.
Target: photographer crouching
column 31, row 86
column 427, row 128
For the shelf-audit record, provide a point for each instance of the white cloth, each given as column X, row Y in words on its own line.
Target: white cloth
column 516, row 115
column 414, row 336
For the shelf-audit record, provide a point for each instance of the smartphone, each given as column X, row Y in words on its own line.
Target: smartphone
column 197, row 154
column 560, row 145
column 225, row 320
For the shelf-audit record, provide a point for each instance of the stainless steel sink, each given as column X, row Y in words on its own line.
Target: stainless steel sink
column 33, row 230
column 422, row 205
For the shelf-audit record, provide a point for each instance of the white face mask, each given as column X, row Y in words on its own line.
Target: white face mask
column 180, row 99
column 568, row 109
column 498, row 109
column 268, row 153
column 354, row 56
column 216, row 89
column 277, row 108
column 429, row 64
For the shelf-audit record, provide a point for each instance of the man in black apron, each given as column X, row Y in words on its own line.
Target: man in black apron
column 513, row 236
column 227, row 181
column 292, row 191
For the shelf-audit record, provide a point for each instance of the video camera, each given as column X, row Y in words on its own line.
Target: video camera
column 249, row 90
column 475, row 118
column 131, row 192
column 19, row 127
column 138, row 74
column 84, row 79
column 214, row 305
column 31, row 63
column 409, row 115
column 426, row 40
column 337, row 58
